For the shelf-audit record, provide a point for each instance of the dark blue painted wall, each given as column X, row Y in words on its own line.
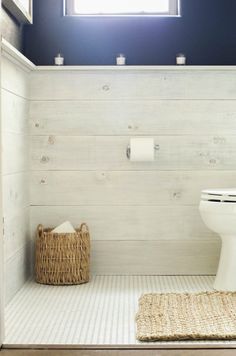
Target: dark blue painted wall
column 206, row 32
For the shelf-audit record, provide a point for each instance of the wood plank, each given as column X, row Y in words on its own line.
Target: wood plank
column 17, row 271
column 15, row 153
column 15, row 193
column 130, row 352
column 16, row 232
column 11, row 52
column 125, row 188
column 14, row 113
column 15, row 159
column 182, row 257
column 127, row 85
column 14, row 78
column 176, row 257
column 109, row 153
column 136, row 117
column 118, row 352
column 127, row 222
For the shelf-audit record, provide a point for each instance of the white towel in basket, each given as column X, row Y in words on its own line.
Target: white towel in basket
column 65, row 228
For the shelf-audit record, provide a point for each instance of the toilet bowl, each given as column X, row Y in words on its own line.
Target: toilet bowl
column 218, row 211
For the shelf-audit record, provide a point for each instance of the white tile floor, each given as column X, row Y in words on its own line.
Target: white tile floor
column 100, row 312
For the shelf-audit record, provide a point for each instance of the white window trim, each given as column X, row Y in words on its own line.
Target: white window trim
column 174, row 6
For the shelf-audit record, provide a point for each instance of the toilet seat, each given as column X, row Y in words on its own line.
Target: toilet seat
column 219, row 195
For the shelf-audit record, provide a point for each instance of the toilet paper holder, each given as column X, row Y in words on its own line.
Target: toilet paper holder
column 156, row 148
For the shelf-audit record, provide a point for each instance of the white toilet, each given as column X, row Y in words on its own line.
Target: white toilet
column 218, row 211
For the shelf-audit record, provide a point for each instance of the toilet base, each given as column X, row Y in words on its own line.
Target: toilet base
column 226, row 273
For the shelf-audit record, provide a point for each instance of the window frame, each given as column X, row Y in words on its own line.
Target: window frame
column 174, row 11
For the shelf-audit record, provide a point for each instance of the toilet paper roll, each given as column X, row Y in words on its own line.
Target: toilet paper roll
column 141, row 149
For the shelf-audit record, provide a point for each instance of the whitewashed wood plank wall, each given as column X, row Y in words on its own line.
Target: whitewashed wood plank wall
column 143, row 216
column 15, row 162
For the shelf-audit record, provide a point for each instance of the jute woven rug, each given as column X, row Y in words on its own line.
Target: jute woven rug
column 183, row 316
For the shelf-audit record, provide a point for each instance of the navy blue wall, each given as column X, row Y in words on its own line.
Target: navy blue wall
column 206, row 32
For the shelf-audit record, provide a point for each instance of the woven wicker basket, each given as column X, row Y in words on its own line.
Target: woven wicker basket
column 62, row 259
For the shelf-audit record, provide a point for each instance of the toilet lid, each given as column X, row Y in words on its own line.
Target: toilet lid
column 219, row 195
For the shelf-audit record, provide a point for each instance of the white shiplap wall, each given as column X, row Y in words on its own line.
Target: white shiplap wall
column 143, row 217
column 15, row 160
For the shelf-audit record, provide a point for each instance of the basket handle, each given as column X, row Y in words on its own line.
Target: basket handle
column 84, row 227
column 40, row 230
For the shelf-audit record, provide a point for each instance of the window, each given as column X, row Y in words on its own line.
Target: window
column 122, row 7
